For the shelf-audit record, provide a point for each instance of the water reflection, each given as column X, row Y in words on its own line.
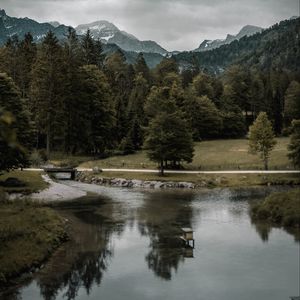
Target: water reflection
column 162, row 220
column 81, row 263
column 91, row 265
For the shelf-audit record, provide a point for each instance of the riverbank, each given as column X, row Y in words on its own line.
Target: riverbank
column 191, row 181
column 282, row 209
column 23, row 182
column 29, row 234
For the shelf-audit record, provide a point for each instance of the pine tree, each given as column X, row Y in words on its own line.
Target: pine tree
column 261, row 138
column 26, row 57
column 141, row 67
column 292, row 102
column 294, row 146
column 12, row 154
column 11, row 101
column 9, row 58
column 47, row 92
column 73, row 59
column 204, row 117
column 119, row 76
column 92, row 50
column 98, row 119
column 169, row 139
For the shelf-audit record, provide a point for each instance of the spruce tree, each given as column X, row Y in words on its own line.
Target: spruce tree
column 98, row 116
column 294, row 145
column 169, row 139
column 11, row 101
column 47, row 92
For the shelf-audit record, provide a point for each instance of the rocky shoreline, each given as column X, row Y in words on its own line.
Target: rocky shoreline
column 204, row 182
column 134, row 183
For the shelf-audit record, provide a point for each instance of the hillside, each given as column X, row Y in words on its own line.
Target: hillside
column 276, row 47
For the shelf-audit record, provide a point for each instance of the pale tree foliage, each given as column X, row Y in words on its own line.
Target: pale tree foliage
column 262, row 138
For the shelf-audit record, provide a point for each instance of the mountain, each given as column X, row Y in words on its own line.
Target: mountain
column 247, row 30
column 54, row 23
column 10, row 26
column 111, row 34
column 277, row 47
column 151, row 59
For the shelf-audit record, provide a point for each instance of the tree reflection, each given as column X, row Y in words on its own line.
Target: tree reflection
column 81, row 263
column 161, row 220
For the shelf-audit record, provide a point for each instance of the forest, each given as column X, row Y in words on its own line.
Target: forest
column 68, row 96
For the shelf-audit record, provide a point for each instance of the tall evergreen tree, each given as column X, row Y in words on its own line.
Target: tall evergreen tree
column 92, row 50
column 47, row 91
column 26, row 57
column 96, row 129
column 292, row 102
column 73, row 59
column 11, row 101
column 169, row 139
column 141, row 67
column 294, row 145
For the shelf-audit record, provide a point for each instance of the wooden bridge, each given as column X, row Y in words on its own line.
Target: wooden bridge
column 72, row 171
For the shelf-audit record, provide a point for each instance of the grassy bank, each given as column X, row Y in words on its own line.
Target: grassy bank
column 209, row 155
column 282, row 209
column 29, row 233
column 31, row 182
column 207, row 180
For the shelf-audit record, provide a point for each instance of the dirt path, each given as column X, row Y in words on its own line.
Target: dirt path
column 186, row 171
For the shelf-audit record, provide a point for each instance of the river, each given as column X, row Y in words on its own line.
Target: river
column 126, row 246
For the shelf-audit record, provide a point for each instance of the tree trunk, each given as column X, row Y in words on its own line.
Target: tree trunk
column 48, row 143
column 161, row 168
column 266, row 164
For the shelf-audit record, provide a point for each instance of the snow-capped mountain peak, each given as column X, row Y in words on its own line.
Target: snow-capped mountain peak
column 247, row 30
column 102, row 30
column 111, row 34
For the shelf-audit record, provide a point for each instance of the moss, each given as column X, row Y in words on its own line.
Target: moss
column 33, row 182
column 29, row 233
column 279, row 208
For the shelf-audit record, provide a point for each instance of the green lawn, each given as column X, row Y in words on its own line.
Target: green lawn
column 33, row 182
column 209, row 155
column 28, row 235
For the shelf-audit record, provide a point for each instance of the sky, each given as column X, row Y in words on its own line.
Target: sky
column 174, row 24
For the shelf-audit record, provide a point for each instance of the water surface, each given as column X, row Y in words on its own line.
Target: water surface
column 126, row 246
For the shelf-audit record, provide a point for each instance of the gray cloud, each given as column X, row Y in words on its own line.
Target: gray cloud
column 175, row 24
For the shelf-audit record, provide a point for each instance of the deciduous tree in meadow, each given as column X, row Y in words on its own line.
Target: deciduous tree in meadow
column 262, row 138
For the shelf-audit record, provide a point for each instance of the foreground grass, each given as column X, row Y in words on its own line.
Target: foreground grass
column 209, row 180
column 29, row 233
column 209, row 155
column 282, row 209
column 33, row 182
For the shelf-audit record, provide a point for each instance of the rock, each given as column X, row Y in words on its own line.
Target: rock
column 13, row 182
column 97, row 170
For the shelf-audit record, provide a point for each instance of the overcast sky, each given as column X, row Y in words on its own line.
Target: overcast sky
column 174, row 24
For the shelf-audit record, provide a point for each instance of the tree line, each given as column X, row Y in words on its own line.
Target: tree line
column 71, row 97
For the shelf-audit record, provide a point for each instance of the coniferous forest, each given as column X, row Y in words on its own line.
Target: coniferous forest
column 68, row 96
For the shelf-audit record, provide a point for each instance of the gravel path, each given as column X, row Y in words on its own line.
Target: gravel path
column 57, row 192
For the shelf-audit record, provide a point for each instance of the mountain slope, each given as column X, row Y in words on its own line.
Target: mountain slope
column 109, row 33
column 275, row 47
column 11, row 26
column 247, row 30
